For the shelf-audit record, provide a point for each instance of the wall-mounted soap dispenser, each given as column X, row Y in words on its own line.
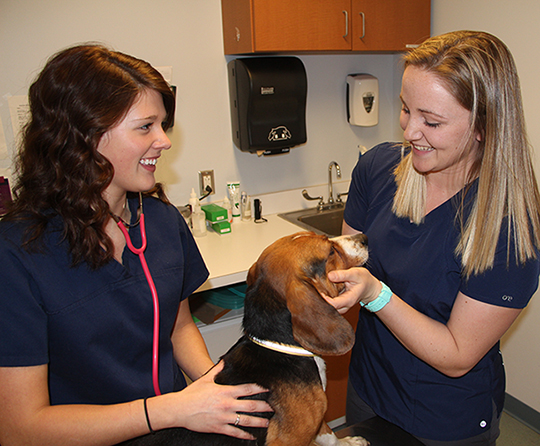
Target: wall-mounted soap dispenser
column 268, row 103
column 363, row 100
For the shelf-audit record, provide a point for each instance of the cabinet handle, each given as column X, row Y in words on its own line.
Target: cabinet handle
column 363, row 25
column 346, row 23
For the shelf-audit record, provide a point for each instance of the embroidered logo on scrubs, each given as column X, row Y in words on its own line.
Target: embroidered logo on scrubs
column 507, row 298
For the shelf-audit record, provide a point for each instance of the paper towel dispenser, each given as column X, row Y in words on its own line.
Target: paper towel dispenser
column 268, row 103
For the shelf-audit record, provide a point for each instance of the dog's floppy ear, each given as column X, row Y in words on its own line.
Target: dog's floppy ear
column 252, row 274
column 317, row 326
column 265, row 310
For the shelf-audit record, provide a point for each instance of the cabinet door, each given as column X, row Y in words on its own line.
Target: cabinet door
column 389, row 25
column 285, row 25
column 337, row 375
column 236, row 16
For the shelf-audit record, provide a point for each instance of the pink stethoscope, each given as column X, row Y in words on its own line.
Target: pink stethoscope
column 140, row 252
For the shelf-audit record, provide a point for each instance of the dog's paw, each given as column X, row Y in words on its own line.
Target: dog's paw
column 353, row 441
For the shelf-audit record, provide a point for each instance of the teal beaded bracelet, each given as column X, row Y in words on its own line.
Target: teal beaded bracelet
column 382, row 299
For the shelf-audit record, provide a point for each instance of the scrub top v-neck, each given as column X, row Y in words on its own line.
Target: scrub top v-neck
column 94, row 327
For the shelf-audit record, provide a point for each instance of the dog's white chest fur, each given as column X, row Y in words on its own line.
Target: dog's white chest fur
column 321, row 365
column 332, row 440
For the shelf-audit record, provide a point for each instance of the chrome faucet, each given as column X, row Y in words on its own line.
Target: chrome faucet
column 330, row 187
column 331, row 204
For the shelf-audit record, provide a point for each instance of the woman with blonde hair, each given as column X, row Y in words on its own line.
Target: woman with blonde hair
column 453, row 221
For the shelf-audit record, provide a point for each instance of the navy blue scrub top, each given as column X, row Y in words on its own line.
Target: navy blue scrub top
column 94, row 327
column 419, row 264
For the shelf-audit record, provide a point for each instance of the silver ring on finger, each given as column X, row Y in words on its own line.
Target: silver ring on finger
column 237, row 422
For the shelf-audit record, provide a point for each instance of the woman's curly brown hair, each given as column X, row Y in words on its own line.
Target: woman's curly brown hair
column 81, row 93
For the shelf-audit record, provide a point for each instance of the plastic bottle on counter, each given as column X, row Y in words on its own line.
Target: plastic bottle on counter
column 198, row 217
column 193, row 200
column 228, row 207
column 234, row 195
column 245, row 204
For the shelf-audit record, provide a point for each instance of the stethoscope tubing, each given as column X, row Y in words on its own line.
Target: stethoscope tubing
column 155, row 300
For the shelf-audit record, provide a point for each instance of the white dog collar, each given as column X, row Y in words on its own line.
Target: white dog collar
column 282, row 348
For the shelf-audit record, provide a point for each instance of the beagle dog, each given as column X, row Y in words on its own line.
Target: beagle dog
column 287, row 327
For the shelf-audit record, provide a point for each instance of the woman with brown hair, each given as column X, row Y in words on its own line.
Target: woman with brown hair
column 82, row 360
column 453, row 221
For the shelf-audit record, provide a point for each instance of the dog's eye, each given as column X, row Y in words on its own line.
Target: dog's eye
column 335, row 252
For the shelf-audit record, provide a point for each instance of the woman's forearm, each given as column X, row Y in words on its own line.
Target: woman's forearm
column 190, row 349
column 452, row 348
column 84, row 425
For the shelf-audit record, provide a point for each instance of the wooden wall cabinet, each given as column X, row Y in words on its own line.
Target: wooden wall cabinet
column 269, row 26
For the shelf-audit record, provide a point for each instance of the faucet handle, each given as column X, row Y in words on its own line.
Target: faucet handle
column 341, row 195
column 310, row 198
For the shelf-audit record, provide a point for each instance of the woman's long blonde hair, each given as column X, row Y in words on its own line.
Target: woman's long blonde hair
column 479, row 71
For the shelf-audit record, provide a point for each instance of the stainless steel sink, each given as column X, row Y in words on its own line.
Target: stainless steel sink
column 326, row 222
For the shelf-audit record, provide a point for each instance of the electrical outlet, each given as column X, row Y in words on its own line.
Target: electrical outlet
column 206, row 178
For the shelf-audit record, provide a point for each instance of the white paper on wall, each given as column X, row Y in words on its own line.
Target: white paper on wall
column 3, row 145
column 19, row 110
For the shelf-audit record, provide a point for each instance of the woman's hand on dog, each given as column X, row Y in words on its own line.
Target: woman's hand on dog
column 212, row 408
column 360, row 286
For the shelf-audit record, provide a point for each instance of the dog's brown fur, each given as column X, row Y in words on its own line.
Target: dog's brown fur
column 283, row 305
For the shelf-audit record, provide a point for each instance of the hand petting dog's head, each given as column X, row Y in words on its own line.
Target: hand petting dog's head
column 290, row 275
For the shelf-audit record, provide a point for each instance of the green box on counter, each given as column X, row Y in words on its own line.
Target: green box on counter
column 215, row 213
column 222, row 227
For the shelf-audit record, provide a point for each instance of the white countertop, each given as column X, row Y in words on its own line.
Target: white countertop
column 228, row 257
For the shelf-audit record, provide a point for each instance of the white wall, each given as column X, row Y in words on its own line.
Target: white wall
column 187, row 35
column 516, row 23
